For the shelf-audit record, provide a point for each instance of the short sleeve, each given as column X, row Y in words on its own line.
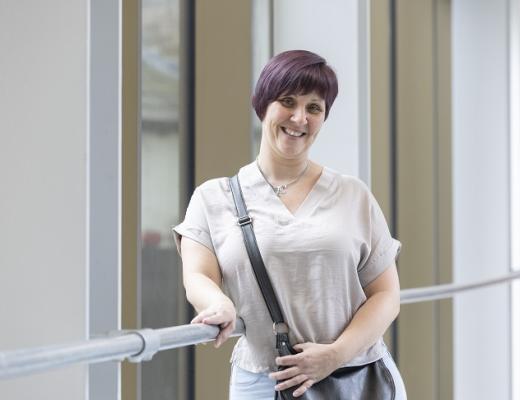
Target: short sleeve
column 195, row 224
column 381, row 250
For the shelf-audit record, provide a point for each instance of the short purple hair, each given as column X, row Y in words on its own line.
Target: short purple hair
column 294, row 72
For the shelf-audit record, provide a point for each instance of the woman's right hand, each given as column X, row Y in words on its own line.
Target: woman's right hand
column 221, row 313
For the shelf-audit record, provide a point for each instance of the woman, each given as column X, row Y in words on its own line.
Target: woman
column 323, row 238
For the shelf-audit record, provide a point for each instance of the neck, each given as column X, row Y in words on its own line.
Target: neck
column 281, row 170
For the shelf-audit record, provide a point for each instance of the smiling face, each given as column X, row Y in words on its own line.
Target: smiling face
column 291, row 124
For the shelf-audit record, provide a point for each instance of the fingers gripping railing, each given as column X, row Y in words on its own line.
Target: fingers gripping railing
column 141, row 345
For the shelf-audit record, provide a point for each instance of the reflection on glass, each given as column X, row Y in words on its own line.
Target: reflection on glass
column 160, row 105
column 161, row 304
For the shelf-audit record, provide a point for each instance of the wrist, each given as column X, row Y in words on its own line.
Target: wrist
column 216, row 301
column 345, row 348
column 337, row 354
column 225, row 301
column 217, row 297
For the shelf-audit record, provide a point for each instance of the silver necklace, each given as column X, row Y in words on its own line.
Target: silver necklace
column 282, row 189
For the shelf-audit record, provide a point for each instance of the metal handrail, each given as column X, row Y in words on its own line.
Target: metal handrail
column 439, row 292
column 116, row 346
column 141, row 345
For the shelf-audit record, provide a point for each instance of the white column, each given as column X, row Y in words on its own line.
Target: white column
column 336, row 30
column 104, row 187
column 514, row 109
column 44, row 196
column 481, row 212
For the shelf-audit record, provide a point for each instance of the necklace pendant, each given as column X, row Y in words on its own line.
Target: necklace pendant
column 281, row 190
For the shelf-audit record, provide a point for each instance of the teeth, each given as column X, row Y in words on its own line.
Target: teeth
column 293, row 133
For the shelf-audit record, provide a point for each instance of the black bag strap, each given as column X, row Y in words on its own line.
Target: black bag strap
column 244, row 220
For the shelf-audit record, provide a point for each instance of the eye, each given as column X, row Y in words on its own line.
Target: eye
column 314, row 108
column 287, row 101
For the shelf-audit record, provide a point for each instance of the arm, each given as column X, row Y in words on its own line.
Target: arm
column 202, row 279
column 373, row 318
column 316, row 361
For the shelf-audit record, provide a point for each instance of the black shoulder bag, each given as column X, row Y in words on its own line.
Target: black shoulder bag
column 365, row 382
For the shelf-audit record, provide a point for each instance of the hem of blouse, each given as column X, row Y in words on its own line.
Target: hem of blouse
column 391, row 252
column 379, row 353
column 179, row 231
column 393, row 246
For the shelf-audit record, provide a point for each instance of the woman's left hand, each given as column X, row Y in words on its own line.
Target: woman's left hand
column 313, row 363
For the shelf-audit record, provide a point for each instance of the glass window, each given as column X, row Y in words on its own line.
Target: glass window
column 162, row 297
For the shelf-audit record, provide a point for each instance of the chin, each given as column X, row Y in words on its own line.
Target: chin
column 292, row 151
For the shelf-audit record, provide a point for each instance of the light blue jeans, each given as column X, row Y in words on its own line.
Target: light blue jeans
column 245, row 385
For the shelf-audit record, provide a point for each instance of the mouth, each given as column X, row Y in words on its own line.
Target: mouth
column 292, row 133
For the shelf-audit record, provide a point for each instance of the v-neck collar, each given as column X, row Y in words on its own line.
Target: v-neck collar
column 251, row 177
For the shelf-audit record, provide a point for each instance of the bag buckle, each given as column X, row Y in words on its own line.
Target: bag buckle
column 245, row 220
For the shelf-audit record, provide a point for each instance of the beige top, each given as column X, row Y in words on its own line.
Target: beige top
column 318, row 259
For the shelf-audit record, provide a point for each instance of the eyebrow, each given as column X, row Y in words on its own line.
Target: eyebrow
column 315, row 99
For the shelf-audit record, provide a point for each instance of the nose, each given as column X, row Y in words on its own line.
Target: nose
column 299, row 116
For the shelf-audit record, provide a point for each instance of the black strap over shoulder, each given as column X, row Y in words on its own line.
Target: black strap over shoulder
column 245, row 222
